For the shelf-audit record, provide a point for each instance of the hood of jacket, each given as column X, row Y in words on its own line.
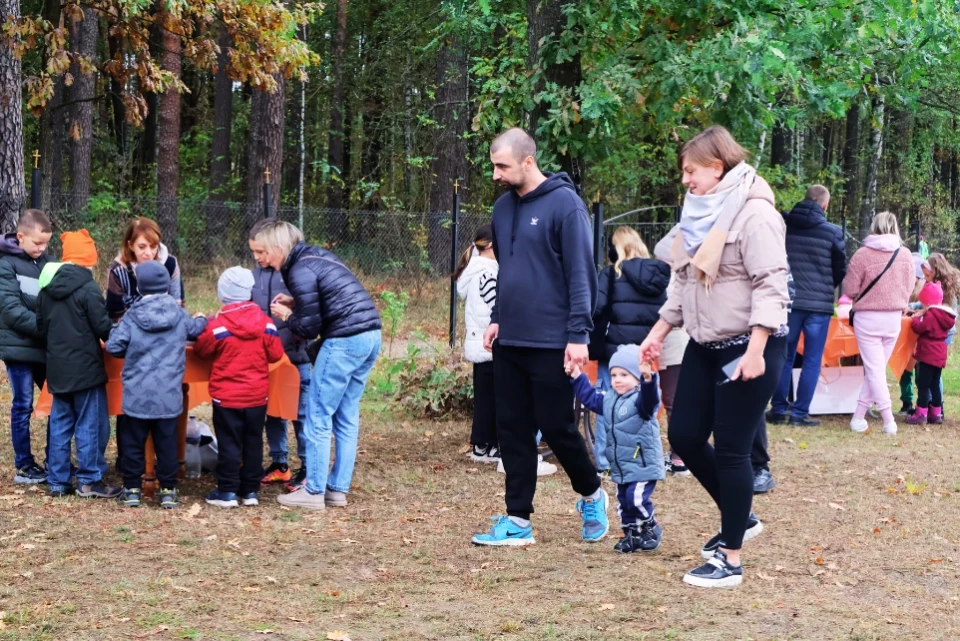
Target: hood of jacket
column 60, row 280
column 243, row 320
column 804, row 215
column 10, row 245
column 476, row 266
column 944, row 316
column 155, row 313
column 760, row 190
column 883, row 242
column 559, row 180
column 649, row 277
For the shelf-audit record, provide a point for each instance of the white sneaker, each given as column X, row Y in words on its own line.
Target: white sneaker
column 859, row 425
column 543, row 468
column 890, row 429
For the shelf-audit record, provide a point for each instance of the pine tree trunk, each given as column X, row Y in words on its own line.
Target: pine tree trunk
column 336, row 192
column 12, row 184
column 780, row 146
column 265, row 149
column 83, row 34
column 545, row 22
column 449, row 164
column 220, row 151
column 851, row 168
column 116, row 99
column 168, row 134
column 868, row 208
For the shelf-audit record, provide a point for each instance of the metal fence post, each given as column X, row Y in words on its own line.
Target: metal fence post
column 843, row 229
column 917, row 231
column 267, row 195
column 598, row 232
column 677, row 213
column 454, row 255
column 35, row 181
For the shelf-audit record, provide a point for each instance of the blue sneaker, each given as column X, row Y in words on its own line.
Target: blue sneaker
column 505, row 532
column 594, row 513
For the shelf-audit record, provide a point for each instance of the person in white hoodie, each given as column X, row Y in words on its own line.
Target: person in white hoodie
column 476, row 277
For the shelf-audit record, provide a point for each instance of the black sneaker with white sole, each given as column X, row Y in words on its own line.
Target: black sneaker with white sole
column 715, row 573
column 754, row 528
column 31, row 474
column 485, row 454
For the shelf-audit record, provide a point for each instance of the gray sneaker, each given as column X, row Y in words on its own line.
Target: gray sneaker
column 763, row 481
column 99, row 490
column 335, row 499
column 302, row 498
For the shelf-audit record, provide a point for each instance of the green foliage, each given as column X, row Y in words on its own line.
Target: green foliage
column 440, row 387
column 393, row 310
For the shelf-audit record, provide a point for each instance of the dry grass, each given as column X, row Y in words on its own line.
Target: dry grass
column 861, row 544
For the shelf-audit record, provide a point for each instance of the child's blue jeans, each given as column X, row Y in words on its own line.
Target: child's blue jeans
column 277, row 427
column 23, row 376
column 82, row 416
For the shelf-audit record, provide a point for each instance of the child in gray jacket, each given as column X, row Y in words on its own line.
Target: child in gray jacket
column 152, row 336
column 633, row 443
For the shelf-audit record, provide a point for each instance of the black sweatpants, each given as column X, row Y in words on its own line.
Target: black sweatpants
column 534, row 393
column 732, row 413
column 928, row 385
column 240, row 448
column 759, row 458
column 132, row 438
column 484, row 430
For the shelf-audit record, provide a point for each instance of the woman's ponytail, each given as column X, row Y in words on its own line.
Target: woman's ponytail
column 482, row 240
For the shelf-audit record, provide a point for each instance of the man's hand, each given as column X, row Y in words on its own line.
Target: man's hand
column 576, row 355
column 490, row 335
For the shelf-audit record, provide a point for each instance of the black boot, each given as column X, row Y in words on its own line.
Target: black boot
column 631, row 541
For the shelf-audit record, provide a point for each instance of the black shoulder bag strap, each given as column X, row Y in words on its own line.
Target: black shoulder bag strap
column 875, row 281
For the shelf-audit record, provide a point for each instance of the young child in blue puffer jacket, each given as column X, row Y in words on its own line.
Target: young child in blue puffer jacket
column 633, row 443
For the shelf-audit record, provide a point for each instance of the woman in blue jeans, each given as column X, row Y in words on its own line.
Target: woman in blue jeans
column 328, row 302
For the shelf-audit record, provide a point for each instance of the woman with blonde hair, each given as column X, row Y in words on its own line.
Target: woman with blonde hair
column 731, row 296
column 879, row 280
column 326, row 301
column 631, row 291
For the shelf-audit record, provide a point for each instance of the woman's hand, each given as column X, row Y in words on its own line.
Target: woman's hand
column 751, row 366
column 282, row 299
column 652, row 346
column 281, row 311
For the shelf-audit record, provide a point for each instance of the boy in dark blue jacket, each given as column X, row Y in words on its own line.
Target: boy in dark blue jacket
column 633, row 443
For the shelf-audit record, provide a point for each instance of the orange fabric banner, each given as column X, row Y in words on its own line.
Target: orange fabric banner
column 283, row 400
column 842, row 342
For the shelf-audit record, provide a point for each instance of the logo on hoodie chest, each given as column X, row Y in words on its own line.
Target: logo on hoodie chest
column 534, row 221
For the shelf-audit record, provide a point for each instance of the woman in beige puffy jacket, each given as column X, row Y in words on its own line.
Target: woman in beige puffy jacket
column 731, row 297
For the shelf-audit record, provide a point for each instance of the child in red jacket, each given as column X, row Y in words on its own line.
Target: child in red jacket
column 242, row 341
column 932, row 326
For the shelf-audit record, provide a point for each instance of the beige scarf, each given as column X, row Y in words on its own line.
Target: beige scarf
column 723, row 204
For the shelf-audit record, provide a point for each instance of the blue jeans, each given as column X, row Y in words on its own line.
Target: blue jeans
column 339, row 378
column 82, row 416
column 22, row 377
column 277, row 427
column 814, row 327
column 600, row 433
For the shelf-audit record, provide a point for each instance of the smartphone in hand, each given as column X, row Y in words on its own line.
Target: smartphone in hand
column 729, row 370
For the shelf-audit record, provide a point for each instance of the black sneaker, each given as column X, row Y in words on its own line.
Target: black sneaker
column 99, row 490
column 31, row 474
column 631, row 541
column 715, row 573
column 131, row 496
column 250, row 499
column 804, row 421
column 222, row 499
column 652, row 534
column 907, row 410
column 169, row 498
column 763, row 481
column 61, row 492
column 299, row 480
column 776, row 419
column 485, row 454
column 754, row 528
column 675, row 469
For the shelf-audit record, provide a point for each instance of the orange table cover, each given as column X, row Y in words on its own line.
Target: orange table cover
column 842, row 342
column 284, row 394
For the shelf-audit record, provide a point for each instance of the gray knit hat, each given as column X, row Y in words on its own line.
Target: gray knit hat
column 152, row 278
column 235, row 285
column 627, row 358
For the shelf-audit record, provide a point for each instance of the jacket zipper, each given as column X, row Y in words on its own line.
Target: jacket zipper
column 269, row 292
column 613, row 433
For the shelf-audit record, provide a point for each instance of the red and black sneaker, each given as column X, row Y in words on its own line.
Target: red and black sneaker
column 299, row 480
column 277, row 473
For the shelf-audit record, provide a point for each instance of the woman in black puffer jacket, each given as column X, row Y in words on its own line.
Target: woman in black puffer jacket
column 326, row 301
column 630, row 294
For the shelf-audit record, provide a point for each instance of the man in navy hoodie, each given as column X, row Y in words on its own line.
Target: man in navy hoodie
column 546, row 294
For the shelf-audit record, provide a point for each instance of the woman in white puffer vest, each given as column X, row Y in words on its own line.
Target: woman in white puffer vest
column 476, row 277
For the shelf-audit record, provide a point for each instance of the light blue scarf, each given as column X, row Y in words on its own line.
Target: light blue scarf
column 701, row 213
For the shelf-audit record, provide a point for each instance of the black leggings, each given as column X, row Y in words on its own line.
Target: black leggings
column 928, row 385
column 484, row 406
column 732, row 413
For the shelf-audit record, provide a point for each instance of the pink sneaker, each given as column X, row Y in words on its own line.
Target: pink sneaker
column 919, row 417
column 935, row 417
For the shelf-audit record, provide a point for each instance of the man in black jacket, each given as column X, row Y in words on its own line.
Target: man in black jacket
column 816, row 252
column 541, row 320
